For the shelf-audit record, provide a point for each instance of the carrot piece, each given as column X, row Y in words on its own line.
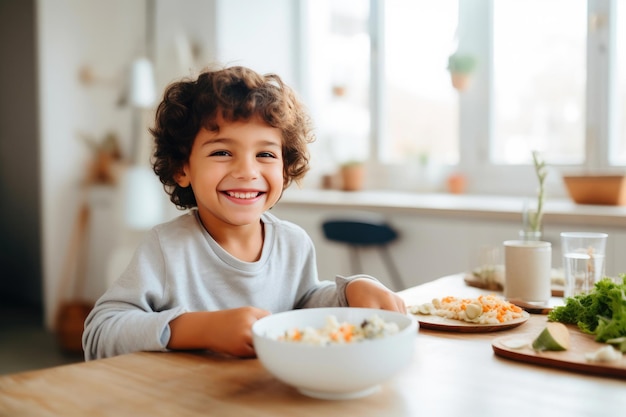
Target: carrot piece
column 297, row 335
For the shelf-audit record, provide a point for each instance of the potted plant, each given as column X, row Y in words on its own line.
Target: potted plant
column 107, row 159
column 352, row 175
column 461, row 67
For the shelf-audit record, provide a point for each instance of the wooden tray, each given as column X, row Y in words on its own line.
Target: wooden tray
column 472, row 281
column 572, row 359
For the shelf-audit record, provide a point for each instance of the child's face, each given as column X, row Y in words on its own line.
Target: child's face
column 236, row 174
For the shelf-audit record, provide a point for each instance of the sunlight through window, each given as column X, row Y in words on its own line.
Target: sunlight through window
column 539, row 80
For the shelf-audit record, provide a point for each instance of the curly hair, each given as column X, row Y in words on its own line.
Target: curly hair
column 232, row 94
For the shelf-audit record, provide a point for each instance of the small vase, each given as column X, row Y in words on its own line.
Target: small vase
column 456, row 183
column 528, row 235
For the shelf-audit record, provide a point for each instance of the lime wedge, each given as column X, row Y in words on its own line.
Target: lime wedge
column 555, row 336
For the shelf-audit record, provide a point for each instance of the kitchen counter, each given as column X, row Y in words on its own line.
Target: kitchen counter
column 502, row 208
column 442, row 233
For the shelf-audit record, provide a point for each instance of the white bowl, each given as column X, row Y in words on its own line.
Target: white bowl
column 340, row 371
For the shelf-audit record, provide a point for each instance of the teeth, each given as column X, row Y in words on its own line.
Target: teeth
column 243, row 195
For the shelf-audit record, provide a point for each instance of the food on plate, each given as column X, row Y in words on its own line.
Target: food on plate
column 335, row 332
column 489, row 276
column 605, row 354
column 601, row 312
column 484, row 309
column 554, row 336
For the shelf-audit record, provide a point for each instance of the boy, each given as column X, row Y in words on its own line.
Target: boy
column 227, row 145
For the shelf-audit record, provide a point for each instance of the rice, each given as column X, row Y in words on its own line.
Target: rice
column 334, row 332
column 485, row 309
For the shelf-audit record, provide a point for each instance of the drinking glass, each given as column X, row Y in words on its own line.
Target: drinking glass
column 583, row 260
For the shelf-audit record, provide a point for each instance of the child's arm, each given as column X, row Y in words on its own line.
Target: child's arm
column 365, row 292
column 224, row 331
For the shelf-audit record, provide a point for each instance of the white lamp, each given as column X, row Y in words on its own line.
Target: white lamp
column 143, row 198
column 142, row 86
column 143, row 193
column 141, row 97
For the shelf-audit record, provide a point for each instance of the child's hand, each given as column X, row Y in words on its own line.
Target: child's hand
column 364, row 292
column 232, row 330
column 223, row 331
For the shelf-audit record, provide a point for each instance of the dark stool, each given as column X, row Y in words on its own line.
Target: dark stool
column 362, row 231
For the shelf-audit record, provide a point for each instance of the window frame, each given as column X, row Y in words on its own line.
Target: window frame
column 476, row 129
column 475, row 32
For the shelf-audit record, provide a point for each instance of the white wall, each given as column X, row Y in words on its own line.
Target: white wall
column 260, row 34
column 106, row 36
column 193, row 21
column 74, row 33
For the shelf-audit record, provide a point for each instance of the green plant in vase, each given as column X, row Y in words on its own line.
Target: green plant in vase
column 533, row 219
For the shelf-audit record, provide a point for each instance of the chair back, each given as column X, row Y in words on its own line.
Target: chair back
column 358, row 232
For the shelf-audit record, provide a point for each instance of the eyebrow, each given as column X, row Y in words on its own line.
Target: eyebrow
column 228, row 140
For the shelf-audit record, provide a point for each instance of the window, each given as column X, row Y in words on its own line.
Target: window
column 551, row 76
column 618, row 150
column 419, row 118
column 421, row 108
column 339, row 55
column 539, row 81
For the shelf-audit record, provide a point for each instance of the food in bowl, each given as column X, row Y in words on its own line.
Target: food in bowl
column 334, row 370
column 334, row 332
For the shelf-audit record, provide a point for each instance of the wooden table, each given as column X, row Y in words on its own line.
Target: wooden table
column 452, row 374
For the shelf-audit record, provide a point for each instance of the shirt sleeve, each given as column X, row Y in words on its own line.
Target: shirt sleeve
column 329, row 294
column 125, row 319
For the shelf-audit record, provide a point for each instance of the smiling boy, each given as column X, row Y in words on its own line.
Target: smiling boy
column 227, row 144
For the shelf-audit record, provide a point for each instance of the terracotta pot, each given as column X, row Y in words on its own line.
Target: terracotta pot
column 460, row 81
column 69, row 325
column 456, row 183
column 352, row 177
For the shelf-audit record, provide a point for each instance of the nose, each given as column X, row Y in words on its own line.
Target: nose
column 246, row 167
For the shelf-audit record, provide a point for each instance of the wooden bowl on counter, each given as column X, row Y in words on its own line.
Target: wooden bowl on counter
column 597, row 189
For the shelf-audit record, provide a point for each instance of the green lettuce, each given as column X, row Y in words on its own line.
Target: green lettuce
column 601, row 312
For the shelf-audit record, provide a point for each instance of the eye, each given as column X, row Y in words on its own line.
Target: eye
column 219, row 153
column 266, row 155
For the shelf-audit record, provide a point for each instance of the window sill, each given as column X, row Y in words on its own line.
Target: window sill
column 498, row 208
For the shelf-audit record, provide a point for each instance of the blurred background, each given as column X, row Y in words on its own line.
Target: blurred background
column 80, row 80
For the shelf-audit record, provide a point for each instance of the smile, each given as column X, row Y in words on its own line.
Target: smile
column 243, row 196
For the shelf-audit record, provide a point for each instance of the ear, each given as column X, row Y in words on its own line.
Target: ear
column 182, row 178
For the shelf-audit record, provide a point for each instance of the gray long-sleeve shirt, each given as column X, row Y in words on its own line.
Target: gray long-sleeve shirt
column 180, row 268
